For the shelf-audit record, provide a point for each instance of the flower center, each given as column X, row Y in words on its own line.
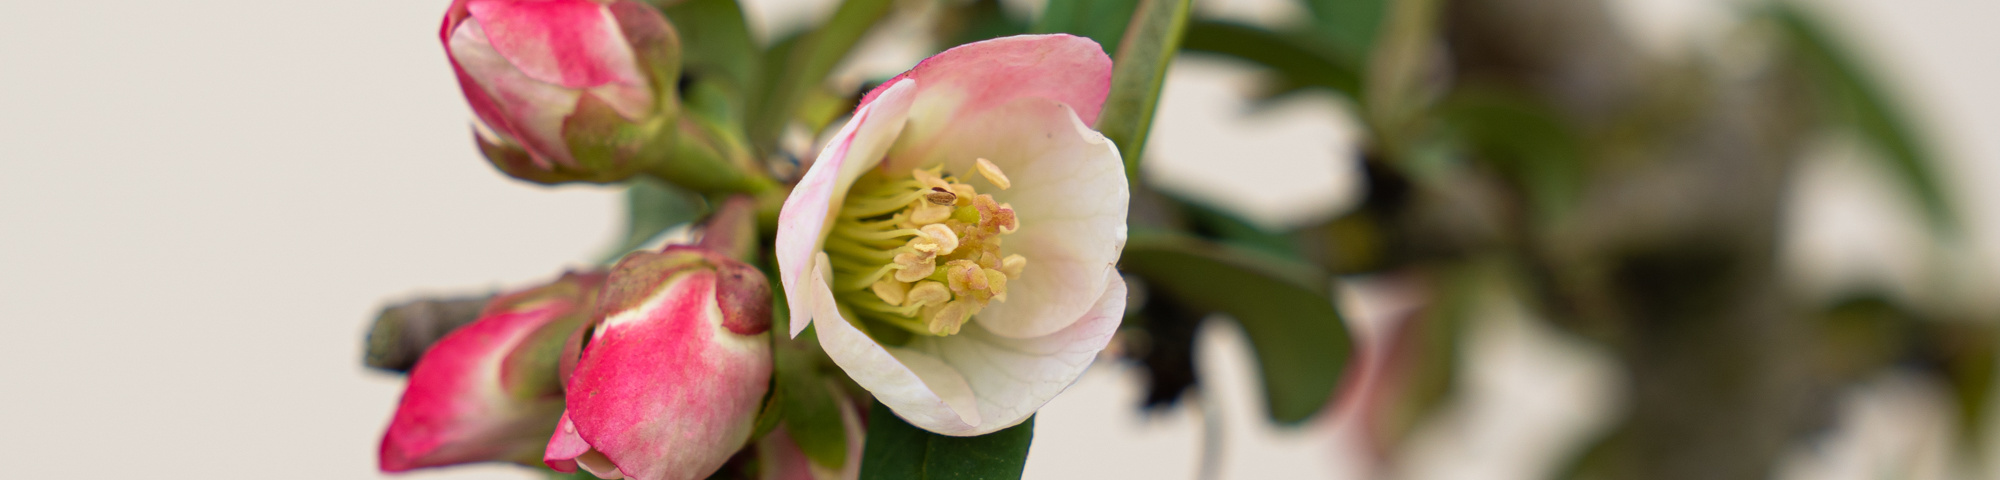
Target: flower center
column 922, row 252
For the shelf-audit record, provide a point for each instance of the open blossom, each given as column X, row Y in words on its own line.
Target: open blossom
column 562, row 88
column 956, row 240
column 670, row 381
column 488, row 391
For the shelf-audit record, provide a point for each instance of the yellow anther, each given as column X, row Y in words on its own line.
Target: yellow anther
column 942, row 236
column 949, row 319
column 929, row 179
column 926, row 213
column 964, row 192
column 931, row 245
column 1013, row 264
column 928, row 292
column 992, row 173
column 996, row 284
column 915, row 265
column 965, row 277
column 891, row 291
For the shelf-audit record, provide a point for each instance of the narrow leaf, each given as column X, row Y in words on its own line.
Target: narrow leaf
column 1348, row 26
column 1298, row 63
column 1139, row 69
column 1284, row 307
column 896, row 450
column 807, row 64
column 1871, row 111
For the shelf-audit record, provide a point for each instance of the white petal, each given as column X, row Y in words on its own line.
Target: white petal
column 918, row 387
column 803, row 222
column 1071, row 197
column 1014, row 377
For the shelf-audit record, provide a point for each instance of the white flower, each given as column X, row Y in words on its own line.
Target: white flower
column 956, row 241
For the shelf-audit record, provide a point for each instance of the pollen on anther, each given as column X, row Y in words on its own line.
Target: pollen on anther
column 940, row 196
column 992, row 173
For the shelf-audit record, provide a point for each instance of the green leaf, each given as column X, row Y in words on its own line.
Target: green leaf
column 806, row 65
column 719, row 57
column 1139, row 69
column 1870, row 110
column 811, row 411
column 715, row 38
column 1528, row 142
column 978, row 20
column 652, row 207
column 1102, row 20
column 896, row 450
column 1348, row 26
column 1214, row 223
column 1284, row 307
column 1297, row 63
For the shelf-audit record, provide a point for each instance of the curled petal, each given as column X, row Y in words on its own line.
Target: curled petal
column 970, row 79
column 569, row 43
column 975, row 382
column 804, row 221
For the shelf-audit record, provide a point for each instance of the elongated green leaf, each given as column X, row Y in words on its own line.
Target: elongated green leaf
column 1871, row 111
column 651, row 207
column 1284, row 307
column 807, row 64
column 1102, row 20
column 895, row 450
column 1139, row 69
column 1348, row 26
column 1214, row 223
column 1298, row 63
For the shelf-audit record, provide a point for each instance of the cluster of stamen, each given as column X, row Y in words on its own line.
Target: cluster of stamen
column 923, row 252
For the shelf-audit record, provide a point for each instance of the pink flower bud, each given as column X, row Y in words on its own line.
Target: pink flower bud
column 670, row 381
column 565, row 90
column 489, row 391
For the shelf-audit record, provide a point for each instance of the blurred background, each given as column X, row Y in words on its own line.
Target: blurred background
column 206, row 202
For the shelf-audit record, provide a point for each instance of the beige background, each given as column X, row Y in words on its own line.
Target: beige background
column 203, row 202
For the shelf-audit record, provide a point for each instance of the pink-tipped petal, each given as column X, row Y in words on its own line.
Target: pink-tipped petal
column 564, row 447
column 569, row 43
column 970, row 79
column 508, row 100
column 803, row 222
column 1070, row 195
column 665, row 390
column 488, row 391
